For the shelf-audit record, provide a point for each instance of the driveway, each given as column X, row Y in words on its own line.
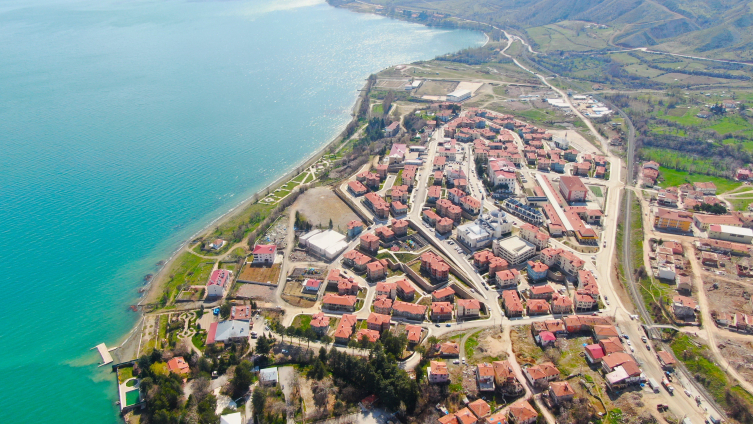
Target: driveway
column 286, row 376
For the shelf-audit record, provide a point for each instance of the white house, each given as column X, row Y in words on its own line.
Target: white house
column 264, row 253
column 219, row 282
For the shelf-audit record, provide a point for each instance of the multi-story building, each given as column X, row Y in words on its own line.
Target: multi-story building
column 672, row 220
column 336, row 302
column 514, row 250
column 507, row 278
column 468, row 308
column 572, row 189
column 407, row 310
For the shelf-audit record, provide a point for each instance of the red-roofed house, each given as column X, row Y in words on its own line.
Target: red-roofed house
column 264, row 253
column 522, row 413
column 219, row 282
column 441, row 311
column 178, row 365
column 468, row 308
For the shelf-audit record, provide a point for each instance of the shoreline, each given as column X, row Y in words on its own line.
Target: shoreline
column 154, row 284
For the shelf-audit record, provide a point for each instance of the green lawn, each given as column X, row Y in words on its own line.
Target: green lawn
column 675, row 178
column 377, row 110
column 302, row 321
column 124, row 374
column 596, row 191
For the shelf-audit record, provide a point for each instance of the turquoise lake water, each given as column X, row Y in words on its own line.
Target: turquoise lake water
column 127, row 126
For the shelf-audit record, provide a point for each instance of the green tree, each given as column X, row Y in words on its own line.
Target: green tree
column 225, row 309
column 258, row 400
column 242, row 379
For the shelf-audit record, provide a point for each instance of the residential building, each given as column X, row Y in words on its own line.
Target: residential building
column 562, row 305
column 376, row 270
column 507, row 278
column 336, row 302
column 537, row 307
column 513, row 305
column 357, row 188
column 413, row 334
column 383, row 305
column 514, row 250
column 320, row 323
column 264, row 254
column 405, row 290
column 544, row 292
column 435, row 266
column 449, row 349
column 602, row 332
column 485, row 381
column 400, row 227
column 219, row 282
column 666, row 219
column 355, row 228
column 505, row 380
column 468, row 308
column 684, row 307
column 371, row 335
column 444, row 225
column 312, row 286
column 408, row 310
column 378, row 205
column 384, row 288
column 345, row 328
column 369, row 242
column 178, row 365
column 445, row 294
column 228, row 331
column 356, row 259
column 385, row 234
column 378, row 322
column 561, row 391
column 441, row 311
column 438, row 373
column 537, row 271
column 522, row 412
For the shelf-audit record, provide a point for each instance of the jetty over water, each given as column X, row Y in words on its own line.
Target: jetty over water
column 106, row 357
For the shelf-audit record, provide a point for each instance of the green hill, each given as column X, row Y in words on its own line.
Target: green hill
column 715, row 28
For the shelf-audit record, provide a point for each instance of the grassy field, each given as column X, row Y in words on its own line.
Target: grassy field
column 672, row 177
column 188, row 269
column 471, row 344
column 302, row 321
column 596, row 191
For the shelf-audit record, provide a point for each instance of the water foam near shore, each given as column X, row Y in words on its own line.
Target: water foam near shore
column 128, row 127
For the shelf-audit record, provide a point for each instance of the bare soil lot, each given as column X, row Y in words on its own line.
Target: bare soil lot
column 321, row 204
column 260, row 274
column 729, row 297
column 257, row 292
column 739, row 353
column 436, row 88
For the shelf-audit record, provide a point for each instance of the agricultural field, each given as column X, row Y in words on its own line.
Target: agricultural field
column 671, row 177
column 570, row 35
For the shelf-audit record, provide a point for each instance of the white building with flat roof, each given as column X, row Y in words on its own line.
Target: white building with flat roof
column 328, row 243
column 514, row 250
column 730, row 233
column 459, row 95
column 484, row 230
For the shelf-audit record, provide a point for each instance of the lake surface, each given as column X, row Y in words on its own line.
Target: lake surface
column 127, row 126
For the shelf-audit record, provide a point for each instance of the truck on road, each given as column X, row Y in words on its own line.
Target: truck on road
column 665, row 383
column 654, row 385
